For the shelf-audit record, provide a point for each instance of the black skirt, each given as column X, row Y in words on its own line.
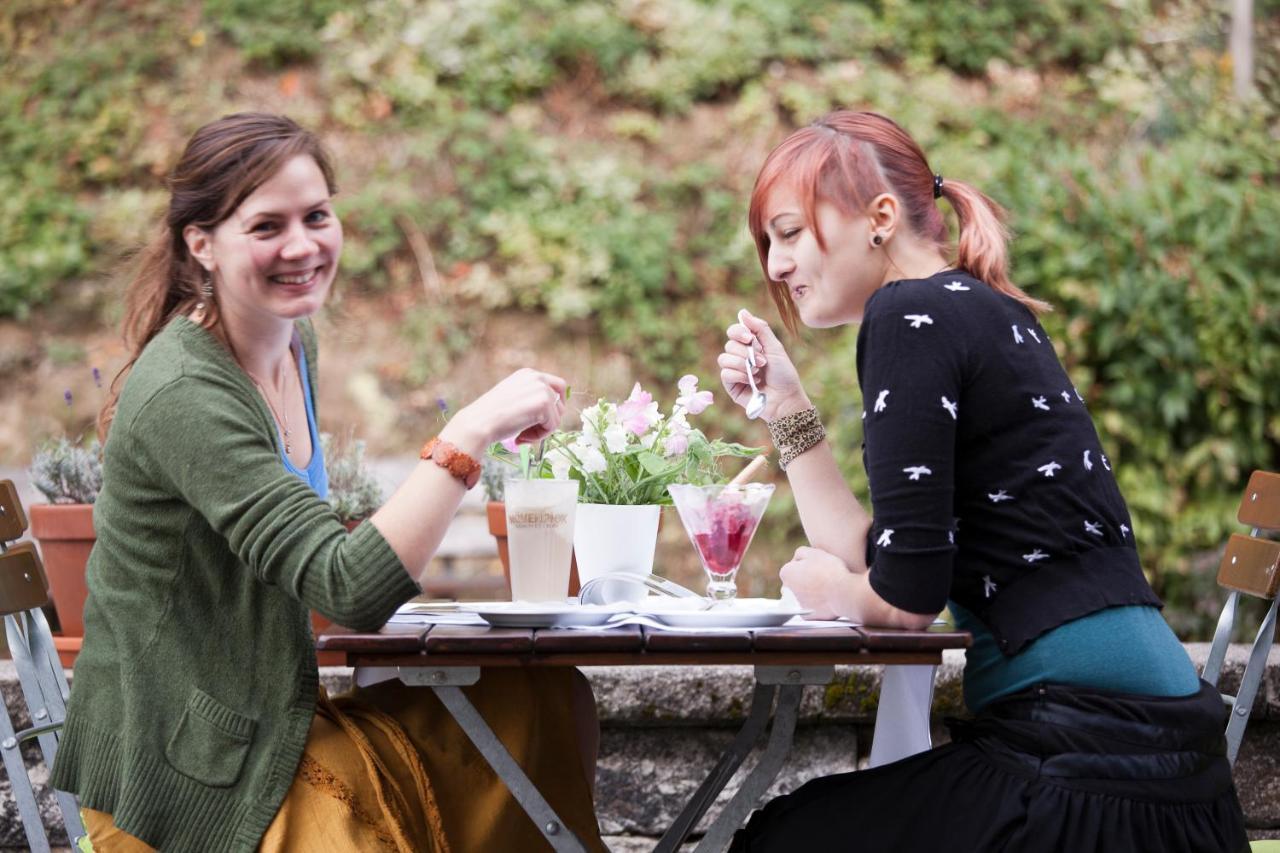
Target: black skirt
column 1051, row 768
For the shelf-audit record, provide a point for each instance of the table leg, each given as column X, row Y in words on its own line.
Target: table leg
column 768, row 678
column 762, row 775
column 447, row 683
column 730, row 761
column 902, row 720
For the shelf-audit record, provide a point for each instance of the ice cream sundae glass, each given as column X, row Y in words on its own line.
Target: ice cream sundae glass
column 720, row 521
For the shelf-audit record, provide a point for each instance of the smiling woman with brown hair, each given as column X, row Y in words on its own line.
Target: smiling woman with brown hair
column 994, row 498
column 196, row 721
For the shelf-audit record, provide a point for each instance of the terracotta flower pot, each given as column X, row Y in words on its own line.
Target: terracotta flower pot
column 497, row 513
column 65, row 533
column 66, row 536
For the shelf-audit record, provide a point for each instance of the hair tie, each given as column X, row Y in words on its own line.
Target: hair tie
column 937, row 186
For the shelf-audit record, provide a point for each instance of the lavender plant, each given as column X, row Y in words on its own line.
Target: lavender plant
column 354, row 492
column 68, row 472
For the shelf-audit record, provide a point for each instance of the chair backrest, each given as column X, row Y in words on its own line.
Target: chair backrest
column 23, row 591
column 1250, row 566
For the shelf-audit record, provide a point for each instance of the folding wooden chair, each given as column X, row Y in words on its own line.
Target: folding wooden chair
column 1251, row 565
column 23, row 591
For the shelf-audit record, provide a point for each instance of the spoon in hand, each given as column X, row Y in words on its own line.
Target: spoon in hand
column 755, row 406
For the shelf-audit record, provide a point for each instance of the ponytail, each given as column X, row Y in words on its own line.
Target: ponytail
column 849, row 158
column 982, row 248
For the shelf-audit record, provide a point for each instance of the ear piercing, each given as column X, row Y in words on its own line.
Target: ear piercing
column 876, row 240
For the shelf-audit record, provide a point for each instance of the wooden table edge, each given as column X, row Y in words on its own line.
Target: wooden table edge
column 727, row 658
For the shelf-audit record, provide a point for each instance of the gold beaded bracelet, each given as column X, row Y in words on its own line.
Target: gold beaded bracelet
column 796, row 433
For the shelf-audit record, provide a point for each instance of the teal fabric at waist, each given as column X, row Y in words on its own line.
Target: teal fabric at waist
column 1126, row 649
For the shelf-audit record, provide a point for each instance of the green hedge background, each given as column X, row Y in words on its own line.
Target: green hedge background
column 587, row 162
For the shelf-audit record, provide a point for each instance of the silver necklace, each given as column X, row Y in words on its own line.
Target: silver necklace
column 282, row 421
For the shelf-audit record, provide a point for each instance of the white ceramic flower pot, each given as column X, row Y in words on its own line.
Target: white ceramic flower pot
column 610, row 538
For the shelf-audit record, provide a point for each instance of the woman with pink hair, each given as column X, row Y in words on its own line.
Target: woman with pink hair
column 993, row 498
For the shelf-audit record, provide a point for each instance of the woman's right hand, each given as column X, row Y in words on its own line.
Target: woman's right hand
column 775, row 375
column 528, row 404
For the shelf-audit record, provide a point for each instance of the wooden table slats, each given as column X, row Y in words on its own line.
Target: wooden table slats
column 809, row 639
column 476, row 642
column 625, row 638
column 898, row 639
column 392, row 639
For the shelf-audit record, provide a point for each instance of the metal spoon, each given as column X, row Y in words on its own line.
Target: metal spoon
column 755, row 406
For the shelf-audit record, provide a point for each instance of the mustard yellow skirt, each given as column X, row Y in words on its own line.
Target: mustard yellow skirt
column 386, row 768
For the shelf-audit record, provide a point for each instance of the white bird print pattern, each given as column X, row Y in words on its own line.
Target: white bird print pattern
column 1035, row 555
column 1017, row 337
column 955, row 287
column 1040, row 403
column 917, row 471
column 1094, row 527
column 1124, row 530
column 1066, row 396
column 886, row 537
column 1088, row 465
column 1001, row 495
column 988, row 585
column 1048, row 468
column 1032, row 333
column 1105, row 462
column 950, row 407
column 882, row 400
column 918, row 320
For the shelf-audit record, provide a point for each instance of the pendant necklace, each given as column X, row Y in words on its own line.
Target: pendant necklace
column 283, row 421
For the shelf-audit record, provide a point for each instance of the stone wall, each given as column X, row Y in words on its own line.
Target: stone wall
column 663, row 728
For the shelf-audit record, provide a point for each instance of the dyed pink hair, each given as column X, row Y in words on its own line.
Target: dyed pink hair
column 848, row 158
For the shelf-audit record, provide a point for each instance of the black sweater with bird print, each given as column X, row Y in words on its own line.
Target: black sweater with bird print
column 989, row 483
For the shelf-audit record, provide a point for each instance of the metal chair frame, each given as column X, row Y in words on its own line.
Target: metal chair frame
column 1259, row 508
column 44, row 683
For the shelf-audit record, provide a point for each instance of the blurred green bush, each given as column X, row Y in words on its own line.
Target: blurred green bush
column 589, row 161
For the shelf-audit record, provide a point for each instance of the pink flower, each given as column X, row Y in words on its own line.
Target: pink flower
column 638, row 412
column 693, row 401
column 675, row 445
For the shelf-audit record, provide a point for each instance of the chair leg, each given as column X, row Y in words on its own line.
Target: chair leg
column 1249, row 682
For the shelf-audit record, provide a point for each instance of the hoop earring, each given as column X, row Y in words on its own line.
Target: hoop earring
column 876, row 240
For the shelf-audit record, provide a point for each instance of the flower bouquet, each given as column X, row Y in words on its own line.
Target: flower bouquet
column 624, row 456
column 627, row 453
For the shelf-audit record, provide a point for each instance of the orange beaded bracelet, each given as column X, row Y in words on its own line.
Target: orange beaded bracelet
column 463, row 466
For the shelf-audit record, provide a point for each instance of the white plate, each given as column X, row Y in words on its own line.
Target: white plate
column 738, row 613
column 525, row 614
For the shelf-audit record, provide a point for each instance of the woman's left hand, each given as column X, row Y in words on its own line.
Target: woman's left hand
column 817, row 578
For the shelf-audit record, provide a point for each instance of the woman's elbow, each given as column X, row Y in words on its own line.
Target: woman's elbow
column 912, row 621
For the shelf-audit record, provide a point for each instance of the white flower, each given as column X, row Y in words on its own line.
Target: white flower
column 561, row 462
column 615, row 438
column 591, row 459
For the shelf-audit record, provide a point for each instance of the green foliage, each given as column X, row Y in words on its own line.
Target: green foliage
column 68, row 472
column 354, row 492
column 590, row 161
column 275, row 33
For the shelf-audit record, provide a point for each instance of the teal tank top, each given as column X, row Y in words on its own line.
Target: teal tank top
column 1125, row 649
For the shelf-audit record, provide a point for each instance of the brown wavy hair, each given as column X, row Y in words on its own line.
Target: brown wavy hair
column 848, row 158
column 222, row 164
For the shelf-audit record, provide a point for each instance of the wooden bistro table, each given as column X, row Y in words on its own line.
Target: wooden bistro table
column 446, row 658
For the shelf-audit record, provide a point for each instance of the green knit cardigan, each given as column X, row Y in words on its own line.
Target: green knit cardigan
column 197, row 682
